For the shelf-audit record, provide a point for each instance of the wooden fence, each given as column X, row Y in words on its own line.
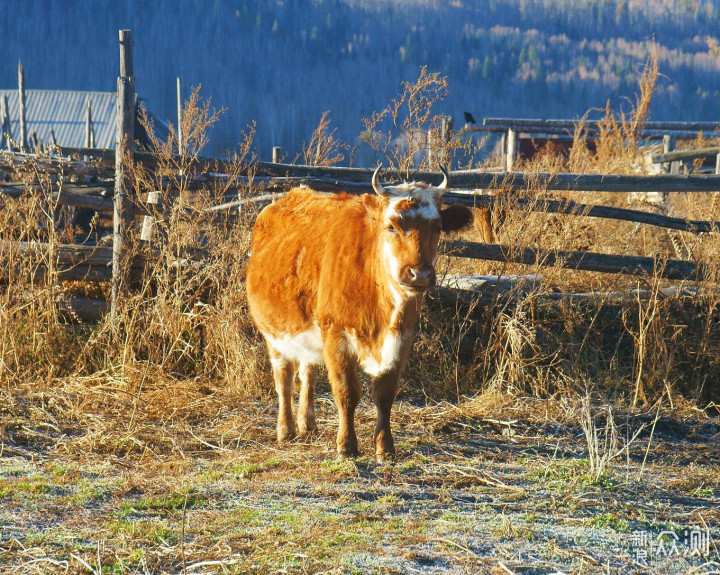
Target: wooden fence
column 105, row 187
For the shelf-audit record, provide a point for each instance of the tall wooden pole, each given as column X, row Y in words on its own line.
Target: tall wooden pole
column 89, row 131
column 124, row 143
column 511, row 143
column 276, row 154
column 5, row 123
column 21, row 101
column 445, row 136
column 179, row 116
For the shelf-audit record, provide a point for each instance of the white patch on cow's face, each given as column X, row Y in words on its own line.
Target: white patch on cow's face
column 305, row 347
column 426, row 198
column 391, row 262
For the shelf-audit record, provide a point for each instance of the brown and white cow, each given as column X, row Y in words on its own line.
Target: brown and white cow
column 339, row 279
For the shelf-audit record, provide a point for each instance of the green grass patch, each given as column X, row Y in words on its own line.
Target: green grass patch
column 170, row 502
column 611, row 520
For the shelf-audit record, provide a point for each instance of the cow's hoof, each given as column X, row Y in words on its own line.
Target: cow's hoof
column 307, row 429
column 345, row 455
column 384, row 458
column 284, row 435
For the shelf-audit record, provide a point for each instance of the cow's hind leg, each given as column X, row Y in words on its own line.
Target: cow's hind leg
column 306, row 407
column 342, row 373
column 284, row 375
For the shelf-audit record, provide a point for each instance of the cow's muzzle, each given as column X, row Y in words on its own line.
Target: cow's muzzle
column 418, row 278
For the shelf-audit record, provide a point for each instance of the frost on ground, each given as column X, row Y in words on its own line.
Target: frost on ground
column 467, row 494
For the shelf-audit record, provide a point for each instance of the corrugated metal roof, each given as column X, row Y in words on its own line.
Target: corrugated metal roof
column 64, row 112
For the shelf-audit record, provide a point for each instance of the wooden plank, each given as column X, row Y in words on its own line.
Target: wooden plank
column 66, row 254
column 587, row 261
column 523, row 123
column 82, row 309
column 64, row 198
column 471, row 178
column 124, row 144
column 593, row 211
column 684, row 155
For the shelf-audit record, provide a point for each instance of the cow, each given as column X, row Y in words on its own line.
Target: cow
column 340, row 279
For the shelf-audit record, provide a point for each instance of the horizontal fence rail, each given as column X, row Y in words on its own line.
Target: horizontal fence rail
column 680, row 155
column 521, row 124
column 586, row 261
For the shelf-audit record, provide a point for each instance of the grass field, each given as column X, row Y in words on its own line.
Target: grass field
column 491, row 485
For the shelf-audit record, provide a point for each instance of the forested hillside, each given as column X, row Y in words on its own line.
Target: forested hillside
column 284, row 62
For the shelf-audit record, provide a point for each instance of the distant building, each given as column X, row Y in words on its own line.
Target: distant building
column 64, row 113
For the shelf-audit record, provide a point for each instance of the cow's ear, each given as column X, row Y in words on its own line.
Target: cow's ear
column 456, row 217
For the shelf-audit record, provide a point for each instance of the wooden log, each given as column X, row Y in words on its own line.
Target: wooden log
column 66, row 254
column 64, row 198
column 124, row 143
column 520, row 124
column 21, row 107
column 476, row 178
column 592, row 211
column 587, row 261
column 82, row 309
column 685, row 155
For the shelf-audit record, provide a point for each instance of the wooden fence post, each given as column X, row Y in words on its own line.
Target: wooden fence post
column 179, row 116
column 511, row 149
column 124, row 143
column 5, row 126
column 21, row 107
column 445, row 157
column 276, row 154
column 717, row 164
column 89, row 130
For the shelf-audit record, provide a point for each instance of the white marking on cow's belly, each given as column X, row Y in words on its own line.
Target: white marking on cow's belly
column 389, row 353
column 303, row 347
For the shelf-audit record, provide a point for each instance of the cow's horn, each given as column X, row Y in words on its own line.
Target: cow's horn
column 446, row 178
column 379, row 190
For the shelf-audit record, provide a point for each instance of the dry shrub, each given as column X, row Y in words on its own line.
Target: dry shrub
column 324, row 148
column 406, row 133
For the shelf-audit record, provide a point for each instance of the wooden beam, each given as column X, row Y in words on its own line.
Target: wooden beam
column 683, row 155
column 124, row 144
column 469, row 179
column 521, row 124
column 586, row 261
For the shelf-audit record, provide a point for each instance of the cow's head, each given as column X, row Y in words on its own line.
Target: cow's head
column 412, row 220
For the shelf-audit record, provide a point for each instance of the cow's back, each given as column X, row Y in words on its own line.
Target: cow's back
column 298, row 248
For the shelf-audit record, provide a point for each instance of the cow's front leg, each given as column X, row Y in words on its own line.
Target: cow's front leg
column 384, row 390
column 306, row 406
column 284, row 375
column 342, row 373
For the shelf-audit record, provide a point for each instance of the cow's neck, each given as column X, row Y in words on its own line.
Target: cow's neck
column 404, row 309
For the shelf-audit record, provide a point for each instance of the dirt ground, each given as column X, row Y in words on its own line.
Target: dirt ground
column 468, row 493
